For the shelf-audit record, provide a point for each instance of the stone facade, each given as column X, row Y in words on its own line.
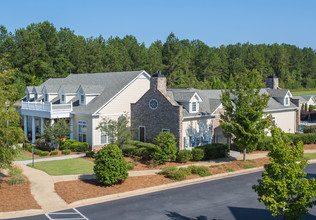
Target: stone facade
column 167, row 115
column 272, row 82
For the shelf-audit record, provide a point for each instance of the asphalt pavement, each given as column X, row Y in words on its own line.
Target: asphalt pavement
column 229, row 198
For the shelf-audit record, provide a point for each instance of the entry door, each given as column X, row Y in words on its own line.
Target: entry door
column 141, row 133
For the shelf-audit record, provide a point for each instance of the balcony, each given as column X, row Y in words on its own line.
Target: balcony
column 46, row 110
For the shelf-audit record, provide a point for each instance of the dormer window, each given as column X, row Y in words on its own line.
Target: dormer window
column 35, row 96
column 82, row 99
column 286, row 101
column 62, row 98
column 45, row 97
column 193, row 107
column 27, row 96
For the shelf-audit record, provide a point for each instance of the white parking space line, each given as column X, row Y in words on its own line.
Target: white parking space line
column 78, row 215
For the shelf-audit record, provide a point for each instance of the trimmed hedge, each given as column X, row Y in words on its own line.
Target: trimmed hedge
column 197, row 154
column 184, row 156
column 65, row 152
column 110, row 165
column 306, row 138
column 90, row 154
column 310, row 129
column 213, row 151
column 53, row 153
column 74, row 146
column 129, row 150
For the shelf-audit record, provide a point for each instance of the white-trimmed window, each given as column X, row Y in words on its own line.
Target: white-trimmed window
column 165, row 129
column 82, row 131
column 194, row 107
column 35, row 96
column 27, row 96
column 105, row 139
column 82, row 99
column 45, row 97
column 273, row 121
column 141, row 133
column 286, row 101
column 62, row 98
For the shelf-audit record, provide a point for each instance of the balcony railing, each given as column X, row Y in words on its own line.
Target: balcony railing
column 47, row 107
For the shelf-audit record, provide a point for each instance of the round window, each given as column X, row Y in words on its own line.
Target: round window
column 153, row 104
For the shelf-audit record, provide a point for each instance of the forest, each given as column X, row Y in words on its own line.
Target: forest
column 40, row 51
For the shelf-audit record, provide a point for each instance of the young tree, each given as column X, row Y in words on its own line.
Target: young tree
column 54, row 132
column 283, row 187
column 243, row 119
column 119, row 130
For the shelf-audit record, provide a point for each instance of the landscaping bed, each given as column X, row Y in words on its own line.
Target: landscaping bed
column 26, row 155
column 72, row 191
column 16, row 197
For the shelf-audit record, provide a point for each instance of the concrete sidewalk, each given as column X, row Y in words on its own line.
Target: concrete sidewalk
column 24, row 162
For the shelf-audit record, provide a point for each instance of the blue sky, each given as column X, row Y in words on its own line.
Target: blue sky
column 213, row 22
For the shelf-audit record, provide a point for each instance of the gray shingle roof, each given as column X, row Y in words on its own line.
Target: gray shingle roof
column 211, row 99
column 303, row 98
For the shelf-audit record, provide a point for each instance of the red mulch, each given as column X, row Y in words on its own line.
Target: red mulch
column 16, row 197
column 75, row 190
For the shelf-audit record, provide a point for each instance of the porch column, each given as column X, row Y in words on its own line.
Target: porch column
column 42, row 126
column 71, row 128
column 25, row 125
column 33, row 129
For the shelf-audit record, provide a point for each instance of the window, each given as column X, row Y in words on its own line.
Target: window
column 287, row 101
column 273, row 121
column 105, row 139
column 28, row 96
column 35, row 96
column 46, row 98
column 82, row 99
column 192, row 141
column 164, row 130
column 194, row 107
column 82, row 131
column 141, row 133
column 62, row 98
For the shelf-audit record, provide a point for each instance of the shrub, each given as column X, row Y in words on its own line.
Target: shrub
column 42, row 145
column 28, row 147
column 308, row 138
column 186, row 170
column 65, row 152
column 264, row 144
column 132, row 142
column 129, row 150
column 83, row 147
column 110, row 165
column 54, row 153
column 167, row 143
column 43, row 153
column 177, row 175
column 66, row 145
column 16, row 175
column 90, row 154
column 310, row 129
column 130, row 166
column 213, row 151
column 199, row 170
column 197, row 154
column 166, row 170
column 184, row 156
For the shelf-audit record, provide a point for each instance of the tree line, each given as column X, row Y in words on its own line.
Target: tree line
column 40, row 51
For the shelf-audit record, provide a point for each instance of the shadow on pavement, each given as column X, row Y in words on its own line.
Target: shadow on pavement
column 258, row 214
column 177, row 216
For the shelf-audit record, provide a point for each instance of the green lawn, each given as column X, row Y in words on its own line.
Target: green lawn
column 65, row 167
column 304, row 92
column 22, row 156
column 309, row 156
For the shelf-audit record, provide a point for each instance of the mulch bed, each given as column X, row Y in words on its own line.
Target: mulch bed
column 17, row 197
column 310, row 147
column 72, row 191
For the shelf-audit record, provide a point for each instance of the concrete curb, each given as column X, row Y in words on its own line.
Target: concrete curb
column 20, row 214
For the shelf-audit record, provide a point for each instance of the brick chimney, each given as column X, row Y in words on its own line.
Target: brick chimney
column 272, row 82
column 158, row 81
